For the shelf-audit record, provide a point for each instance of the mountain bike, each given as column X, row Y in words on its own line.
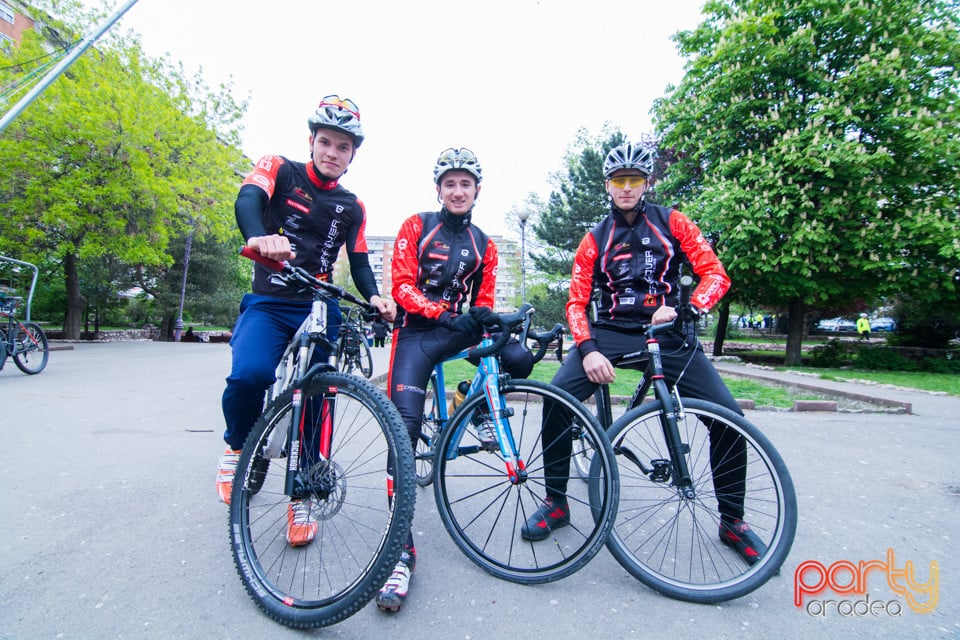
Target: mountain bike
column 353, row 352
column 26, row 342
column 670, row 453
column 484, row 494
column 335, row 443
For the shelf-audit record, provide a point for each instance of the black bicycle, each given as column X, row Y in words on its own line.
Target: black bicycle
column 330, row 452
column 25, row 342
column 671, row 454
column 353, row 351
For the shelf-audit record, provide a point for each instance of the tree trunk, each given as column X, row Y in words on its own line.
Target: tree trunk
column 723, row 319
column 794, row 332
column 75, row 300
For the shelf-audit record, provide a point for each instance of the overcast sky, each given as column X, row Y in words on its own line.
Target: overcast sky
column 513, row 80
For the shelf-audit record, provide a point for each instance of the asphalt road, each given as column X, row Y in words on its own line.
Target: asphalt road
column 110, row 527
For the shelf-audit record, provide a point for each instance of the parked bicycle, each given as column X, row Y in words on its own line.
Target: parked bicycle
column 484, row 495
column 25, row 342
column 353, row 351
column 337, row 444
column 666, row 528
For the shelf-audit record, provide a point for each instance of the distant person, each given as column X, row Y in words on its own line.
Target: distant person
column 297, row 212
column 863, row 327
column 380, row 331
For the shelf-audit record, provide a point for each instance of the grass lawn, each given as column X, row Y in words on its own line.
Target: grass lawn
column 941, row 382
column 626, row 382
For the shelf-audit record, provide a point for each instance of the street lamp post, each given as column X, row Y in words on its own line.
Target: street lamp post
column 523, row 215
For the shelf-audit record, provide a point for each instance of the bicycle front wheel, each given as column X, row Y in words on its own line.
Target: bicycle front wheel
column 362, row 515
column 483, row 508
column 670, row 541
column 31, row 348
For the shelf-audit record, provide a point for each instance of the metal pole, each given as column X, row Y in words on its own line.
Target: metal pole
column 523, row 261
column 178, row 327
column 60, row 68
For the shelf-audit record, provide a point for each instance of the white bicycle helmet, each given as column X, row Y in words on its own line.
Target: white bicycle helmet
column 339, row 114
column 457, row 159
column 628, row 156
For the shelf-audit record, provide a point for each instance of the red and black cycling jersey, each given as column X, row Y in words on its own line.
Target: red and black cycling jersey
column 636, row 268
column 318, row 216
column 440, row 261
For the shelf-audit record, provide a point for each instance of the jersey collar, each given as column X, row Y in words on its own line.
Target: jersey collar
column 319, row 179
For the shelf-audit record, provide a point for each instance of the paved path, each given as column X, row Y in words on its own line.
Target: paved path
column 109, row 525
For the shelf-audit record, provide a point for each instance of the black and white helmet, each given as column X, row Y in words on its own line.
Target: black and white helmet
column 461, row 159
column 339, row 114
column 628, row 156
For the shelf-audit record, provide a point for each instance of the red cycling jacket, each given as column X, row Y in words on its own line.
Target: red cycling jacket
column 636, row 269
column 440, row 261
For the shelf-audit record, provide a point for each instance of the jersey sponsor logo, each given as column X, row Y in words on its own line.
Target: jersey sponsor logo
column 409, row 387
column 261, row 181
column 650, row 300
column 300, row 193
column 438, row 256
column 338, row 208
column 622, row 256
column 465, row 252
column 645, row 241
column 297, row 205
column 628, row 301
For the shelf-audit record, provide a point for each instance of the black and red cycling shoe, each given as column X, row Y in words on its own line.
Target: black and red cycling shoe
column 743, row 540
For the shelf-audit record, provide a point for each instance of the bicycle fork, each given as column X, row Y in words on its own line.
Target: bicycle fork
column 672, row 412
column 515, row 466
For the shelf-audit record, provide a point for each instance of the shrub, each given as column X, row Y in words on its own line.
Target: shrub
column 883, row 359
column 831, row 355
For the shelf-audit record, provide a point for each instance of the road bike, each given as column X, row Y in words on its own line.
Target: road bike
column 353, row 351
column 26, row 342
column 484, row 494
column 670, row 453
column 335, row 443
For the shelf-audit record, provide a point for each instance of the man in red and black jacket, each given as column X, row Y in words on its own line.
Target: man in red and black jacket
column 443, row 266
column 632, row 259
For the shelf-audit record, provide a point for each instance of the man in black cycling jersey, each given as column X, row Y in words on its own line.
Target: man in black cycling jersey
column 441, row 263
column 293, row 211
column 632, row 258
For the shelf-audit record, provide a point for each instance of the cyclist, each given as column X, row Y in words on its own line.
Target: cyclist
column 632, row 258
column 294, row 211
column 441, row 262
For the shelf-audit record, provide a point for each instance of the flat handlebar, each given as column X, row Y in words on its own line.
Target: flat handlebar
column 299, row 274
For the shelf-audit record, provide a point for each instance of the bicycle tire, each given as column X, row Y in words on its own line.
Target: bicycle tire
column 366, row 358
column 429, row 427
column 582, row 455
column 670, row 543
column 360, row 530
column 31, row 348
column 483, row 510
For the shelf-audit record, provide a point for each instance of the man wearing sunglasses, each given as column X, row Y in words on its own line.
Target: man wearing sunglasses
column 633, row 259
column 295, row 211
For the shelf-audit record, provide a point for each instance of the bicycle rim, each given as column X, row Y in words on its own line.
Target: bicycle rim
column 483, row 510
column 671, row 543
column 32, row 350
column 360, row 531
column 366, row 358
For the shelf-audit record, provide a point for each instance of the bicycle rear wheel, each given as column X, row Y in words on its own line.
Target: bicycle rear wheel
column 360, row 531
column 32, row 350
column 429, row 427
column 483, row 510
column 671, row 542
column 366, row 358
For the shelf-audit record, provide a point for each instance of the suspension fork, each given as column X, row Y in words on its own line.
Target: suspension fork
column 668, row 422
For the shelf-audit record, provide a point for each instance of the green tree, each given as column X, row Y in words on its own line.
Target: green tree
column 577, row 203
column 818, row 140
column 115, row 158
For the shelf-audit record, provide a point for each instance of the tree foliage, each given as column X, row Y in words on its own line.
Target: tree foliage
column 115, row 159
column 818, row 140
